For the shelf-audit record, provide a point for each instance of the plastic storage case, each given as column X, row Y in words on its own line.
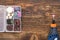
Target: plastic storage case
column 10, row 18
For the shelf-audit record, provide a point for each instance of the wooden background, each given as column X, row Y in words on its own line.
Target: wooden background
column 36, row 19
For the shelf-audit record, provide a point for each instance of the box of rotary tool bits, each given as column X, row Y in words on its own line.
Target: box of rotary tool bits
column 10, row 18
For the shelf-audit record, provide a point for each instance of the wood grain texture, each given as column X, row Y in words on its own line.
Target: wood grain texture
column 36, row 19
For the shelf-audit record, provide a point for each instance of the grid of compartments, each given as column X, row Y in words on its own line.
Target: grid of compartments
column 10, row 18
column 13, row 19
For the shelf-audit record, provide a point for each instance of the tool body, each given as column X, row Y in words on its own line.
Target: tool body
column 53, row 34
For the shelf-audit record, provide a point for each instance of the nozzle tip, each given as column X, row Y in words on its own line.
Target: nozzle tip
column 53, row 15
